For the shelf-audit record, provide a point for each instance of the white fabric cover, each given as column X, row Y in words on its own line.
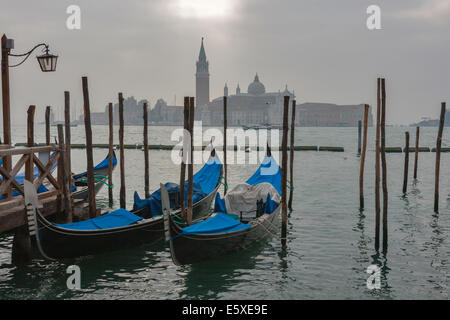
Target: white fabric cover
column 243, row 197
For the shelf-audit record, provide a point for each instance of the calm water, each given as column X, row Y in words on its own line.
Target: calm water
column 330, row 242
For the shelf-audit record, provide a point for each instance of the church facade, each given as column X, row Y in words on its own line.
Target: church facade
column 254, row 107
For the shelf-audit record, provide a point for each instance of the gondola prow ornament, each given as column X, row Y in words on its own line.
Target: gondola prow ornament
column 32, row 204
column 165, row 203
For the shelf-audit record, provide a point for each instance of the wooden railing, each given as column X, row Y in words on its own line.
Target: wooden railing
column 28, row 159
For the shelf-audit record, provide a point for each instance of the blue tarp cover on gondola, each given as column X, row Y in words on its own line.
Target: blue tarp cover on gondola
column 270, row 205
column 268, row 171
column 114, row 219
column 208, row 176
column 220, row 223
column 205, row 181
column 219, row 204
column 154, row 201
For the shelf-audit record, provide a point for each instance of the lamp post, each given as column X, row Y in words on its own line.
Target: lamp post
column 47, row 62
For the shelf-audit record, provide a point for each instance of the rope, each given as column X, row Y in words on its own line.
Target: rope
column 178, row 217
column 100, row 176
column 180, row 223
column 289, row 185
column 270, row 232
column 224, row 185
column 99, row 180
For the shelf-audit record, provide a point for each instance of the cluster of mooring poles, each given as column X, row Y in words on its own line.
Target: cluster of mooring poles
column 416, row 150
column 285, row 203
column 380, row 156
column 59, row 200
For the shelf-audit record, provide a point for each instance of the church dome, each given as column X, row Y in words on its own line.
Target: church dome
column 256, row 87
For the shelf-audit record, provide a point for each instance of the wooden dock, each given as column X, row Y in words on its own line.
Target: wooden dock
column 12, row 208
column 13, row 215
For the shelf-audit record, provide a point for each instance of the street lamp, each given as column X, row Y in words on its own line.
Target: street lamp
column 47, row 62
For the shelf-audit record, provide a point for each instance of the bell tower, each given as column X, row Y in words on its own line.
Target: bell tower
column 202, row 78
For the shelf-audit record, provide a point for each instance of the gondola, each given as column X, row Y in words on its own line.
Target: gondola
column 114, row 230
column 248, row 214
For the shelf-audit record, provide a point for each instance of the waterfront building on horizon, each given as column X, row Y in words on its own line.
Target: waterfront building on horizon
column 254, row 107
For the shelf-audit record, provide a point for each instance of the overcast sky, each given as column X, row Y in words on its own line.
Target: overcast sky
column 148, row 48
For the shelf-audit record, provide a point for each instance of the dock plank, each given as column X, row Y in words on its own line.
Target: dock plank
column 15, row 216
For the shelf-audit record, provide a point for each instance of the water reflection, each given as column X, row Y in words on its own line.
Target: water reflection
column 222, row 273
column 438, row 263
column 362, row 241
column 385, row 291
column 38, row 280
column 378, row 259
column 361, row 259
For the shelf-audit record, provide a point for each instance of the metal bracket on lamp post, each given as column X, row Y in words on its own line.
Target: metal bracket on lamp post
column 47, row 61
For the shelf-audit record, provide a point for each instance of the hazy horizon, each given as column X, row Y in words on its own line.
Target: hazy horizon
column 148, row 49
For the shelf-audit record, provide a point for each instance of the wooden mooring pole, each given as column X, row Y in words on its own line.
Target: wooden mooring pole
column 406, row 165
column 284, row 172
column 438, row 158
column 47, row 125
column 122, row 154
column 184, row 158
column 67, row 143
column 377, row 168
column 89, row 155
column 363, row 158
column 190, row 161
column 29, row 171
column 291, row 157
column 146, row 165
column 359, row 136
column 416, row 153
column 225, row 126
column 65, row 190
column 110, row 154
column 7, row 160
column 383, row 164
